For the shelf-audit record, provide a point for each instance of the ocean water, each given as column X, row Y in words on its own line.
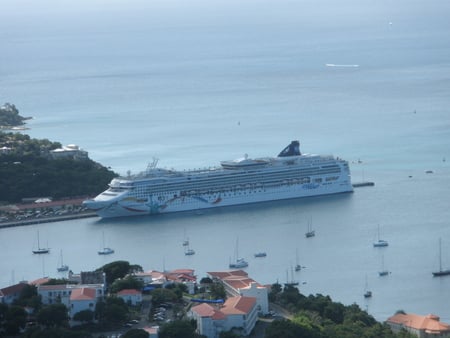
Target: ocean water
column 196, row 83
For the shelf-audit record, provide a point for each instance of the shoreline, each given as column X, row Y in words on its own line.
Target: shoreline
column 32, row 221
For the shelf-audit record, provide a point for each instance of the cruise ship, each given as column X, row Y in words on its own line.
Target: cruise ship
column 289, row 175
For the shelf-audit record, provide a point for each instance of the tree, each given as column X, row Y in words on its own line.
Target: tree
column 85, row 316
column 116, row 310
column 162, row 296
column 136, row 333
column 15, row 319
column 217, row 291
column 53, row 315
column 178, row 329
column 128, row 282
column 118, row 269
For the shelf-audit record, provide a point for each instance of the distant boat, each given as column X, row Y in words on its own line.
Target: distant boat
column 290, row 282
column 189, row 252
column 63, row 267
column 105, row 250
column 40, row 250
column 298, row 267
column 186, row 239
column 383, row 271
column 367, row 292
column 441, row 272
column 260, row 254
column 239, row 262
column 310, row 232
column 380, row 242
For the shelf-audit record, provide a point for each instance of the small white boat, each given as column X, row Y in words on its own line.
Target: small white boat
column 380, row 242
column 260, row 254
column 40, row 250
column 106, row 251
column 239, row 263
column 63, row 267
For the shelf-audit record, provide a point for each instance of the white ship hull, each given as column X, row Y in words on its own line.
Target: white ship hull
column 266, row 181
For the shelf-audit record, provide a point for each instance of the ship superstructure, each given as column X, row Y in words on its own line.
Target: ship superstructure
column 289, row 175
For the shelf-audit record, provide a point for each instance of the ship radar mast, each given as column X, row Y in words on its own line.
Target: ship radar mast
column 152, row 165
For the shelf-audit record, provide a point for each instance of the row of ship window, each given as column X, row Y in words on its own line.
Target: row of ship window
column 235, row 192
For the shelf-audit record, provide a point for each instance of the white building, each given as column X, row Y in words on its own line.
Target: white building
column 82, row 299
column 130, row 296
column 70, row 151
column 237, row 313
column 237, row 283
column 53, row 294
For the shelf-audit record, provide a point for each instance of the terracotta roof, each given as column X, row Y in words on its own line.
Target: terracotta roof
column 237, row 279
column 206, row 310
column 429, row 323
column 224, row 274
column 83, row 294
column 238, row 305
column 12, row 289
column 40, row 281
column 129, row 292
column 183, row 271
column 52, row 287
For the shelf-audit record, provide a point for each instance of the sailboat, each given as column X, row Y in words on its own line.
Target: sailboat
column 297, row 264
column 105, row 250
column 383, row 271
column 63, row 267
column 291, row 282
column 367, row 292
column 310, row 232
column 441, row 272
column 185, row 239
column 380, row 242
column 40, row 250
column 239, row 262
column 188, row 251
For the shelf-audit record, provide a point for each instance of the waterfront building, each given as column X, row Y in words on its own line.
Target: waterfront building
column 130, row 296
column 82, row 299
column 9, row 294
column 53, row 294
column 237, row 283
column 237, row 313
column 70, row 151
column 427, row 326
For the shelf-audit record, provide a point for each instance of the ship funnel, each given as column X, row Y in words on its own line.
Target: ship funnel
column 291, row 150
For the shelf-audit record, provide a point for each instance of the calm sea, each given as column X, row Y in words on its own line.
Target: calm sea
column 194, row 83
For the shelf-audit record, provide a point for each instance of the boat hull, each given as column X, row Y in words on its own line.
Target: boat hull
column 127, row 207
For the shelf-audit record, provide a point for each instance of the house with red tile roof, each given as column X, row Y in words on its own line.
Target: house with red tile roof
column 130, row 296
column 237, row 283
column 427, row 326
column 51, row 294
column 237, row 313
column 81, row 299
column 9, row 294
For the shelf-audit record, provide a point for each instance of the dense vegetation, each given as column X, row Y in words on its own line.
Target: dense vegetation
column 9, row 116
column 319, row 317
column 28, row 170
